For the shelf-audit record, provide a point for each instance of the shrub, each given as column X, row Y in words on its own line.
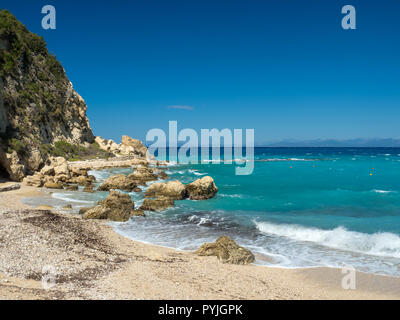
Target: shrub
column 73, row 152
column 16, row 145
column 55, row 67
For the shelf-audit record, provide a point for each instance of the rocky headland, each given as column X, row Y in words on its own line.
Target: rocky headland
column 46, row 140
column 40, row 112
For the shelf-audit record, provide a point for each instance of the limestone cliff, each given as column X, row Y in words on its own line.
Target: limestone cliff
column 38, row 105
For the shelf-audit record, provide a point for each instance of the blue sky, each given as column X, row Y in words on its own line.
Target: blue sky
column 285, row 68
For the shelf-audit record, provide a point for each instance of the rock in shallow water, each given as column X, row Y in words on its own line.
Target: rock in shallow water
column 119, row 181
column 173, row 189
column 142, row 174
column 72, row 187
column 202, row 189
column 227, row 250
column 89, row 189
column 157, row 204
column 116, row 207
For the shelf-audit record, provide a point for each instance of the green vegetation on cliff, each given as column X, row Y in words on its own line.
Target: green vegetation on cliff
column 22, row 45
column 38, row 105
column 73, row 152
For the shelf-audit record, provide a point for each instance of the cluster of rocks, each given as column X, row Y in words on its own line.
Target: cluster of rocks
column 121, row 182
column 58, row 174
column 159, row 196
column 116, row 207
column 141, row 175
column 227, row 251
column 128, row 146
column 162, row 195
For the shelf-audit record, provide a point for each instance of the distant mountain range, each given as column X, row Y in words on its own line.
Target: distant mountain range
column 331, row 143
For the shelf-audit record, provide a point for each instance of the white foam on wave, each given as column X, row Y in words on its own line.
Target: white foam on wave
column 383, row 191
column 286, row 160
column 204, row 221
column 170, row 163
column 379, row 244
column 99, row 175
column 196, row 172
column 212, row 161
column 231, row 195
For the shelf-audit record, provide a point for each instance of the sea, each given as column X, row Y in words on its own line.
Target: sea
column 300, row 208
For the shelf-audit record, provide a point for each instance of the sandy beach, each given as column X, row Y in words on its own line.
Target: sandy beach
column 94, row 262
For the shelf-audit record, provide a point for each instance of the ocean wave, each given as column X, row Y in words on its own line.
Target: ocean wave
column 212, row 161
column 367, row 191
column 383, row 191
column 230, row 195
column 169, row 163
column 379, row 244
column 288, row 159
column 100, row 175
column 196, row 172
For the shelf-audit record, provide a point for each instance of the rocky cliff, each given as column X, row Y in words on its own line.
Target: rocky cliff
column 38, row 105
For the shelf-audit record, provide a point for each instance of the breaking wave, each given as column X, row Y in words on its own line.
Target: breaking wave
column 379, row 244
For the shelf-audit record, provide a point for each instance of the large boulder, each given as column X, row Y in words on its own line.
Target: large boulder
column 173, row 189
column 47, row 170
column 84, row 181
column 137, row 145
column 77, row 172
column 116, row 207
column 107, row 145
column 97, row 212
column 120, row 181
column 13, row 165
column 142, row 174
column 227, row 250
column 126, row 150
column 202, row 189
column 61, row 178
column 158, row 204
column 37, row 180
column 60, row 167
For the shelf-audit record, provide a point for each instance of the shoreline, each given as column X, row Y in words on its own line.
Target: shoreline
column 137, row 270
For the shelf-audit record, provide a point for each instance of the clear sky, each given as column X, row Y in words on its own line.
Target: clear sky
column 283, row 67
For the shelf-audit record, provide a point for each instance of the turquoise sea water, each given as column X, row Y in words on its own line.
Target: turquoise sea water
column 303, row 207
